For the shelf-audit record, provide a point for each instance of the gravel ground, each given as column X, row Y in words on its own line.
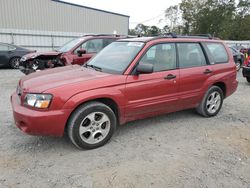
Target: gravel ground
column 175, row 150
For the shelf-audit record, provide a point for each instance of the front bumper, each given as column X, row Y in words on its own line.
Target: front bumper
column 42, row 122
column 246, row 71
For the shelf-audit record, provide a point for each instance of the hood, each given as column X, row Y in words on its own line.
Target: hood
column 41, row 81
column 40, row 54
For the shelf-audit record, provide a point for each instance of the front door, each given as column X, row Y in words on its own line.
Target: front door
column 157, row 92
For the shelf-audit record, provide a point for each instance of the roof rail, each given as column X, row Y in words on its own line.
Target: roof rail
column 209, row 36
column 112, row 35
column 173, row 35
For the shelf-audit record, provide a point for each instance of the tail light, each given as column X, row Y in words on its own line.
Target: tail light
column 247, row 62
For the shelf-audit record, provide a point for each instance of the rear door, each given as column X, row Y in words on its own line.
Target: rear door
column 194, row 72
column 154, row 93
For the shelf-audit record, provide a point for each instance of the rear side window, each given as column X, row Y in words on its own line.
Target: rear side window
column 218, row 52
column 190, row 55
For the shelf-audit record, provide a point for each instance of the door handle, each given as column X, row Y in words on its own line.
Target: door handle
column 170, row 77
column 207, row 71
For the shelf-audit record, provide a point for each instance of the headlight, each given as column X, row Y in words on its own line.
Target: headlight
column 23, row 58
column 38, row 100
column 33, row 56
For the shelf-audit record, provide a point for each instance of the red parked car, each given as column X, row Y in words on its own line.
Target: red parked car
column 128, row 80
column 77, row 51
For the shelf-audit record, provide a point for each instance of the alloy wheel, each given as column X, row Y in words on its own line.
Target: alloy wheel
column 213, row 102
column 94, row 127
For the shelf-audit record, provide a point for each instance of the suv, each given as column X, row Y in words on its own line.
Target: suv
column 77, row 51
column 128, row 80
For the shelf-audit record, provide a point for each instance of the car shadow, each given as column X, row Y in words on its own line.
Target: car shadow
column 63, row 145
column 155, row 121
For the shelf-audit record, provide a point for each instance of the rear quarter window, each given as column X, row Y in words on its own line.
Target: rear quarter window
column 217, row 52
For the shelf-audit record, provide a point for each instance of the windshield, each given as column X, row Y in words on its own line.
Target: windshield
column 69, row 45
column 116, row 57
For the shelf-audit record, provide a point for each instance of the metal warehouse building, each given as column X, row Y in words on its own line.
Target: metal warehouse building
column 47, row 24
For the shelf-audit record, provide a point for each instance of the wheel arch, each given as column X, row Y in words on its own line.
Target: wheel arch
column 105, row 100
column 222, row 86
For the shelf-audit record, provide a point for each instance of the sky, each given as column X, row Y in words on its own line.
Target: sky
column 144, row 12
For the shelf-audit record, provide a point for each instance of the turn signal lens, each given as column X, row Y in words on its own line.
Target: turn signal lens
column 38, row 100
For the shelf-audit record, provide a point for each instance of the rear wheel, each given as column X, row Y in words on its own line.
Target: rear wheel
column 211, row 102
column 91, row 125
column 248, row 79
column 14, row 62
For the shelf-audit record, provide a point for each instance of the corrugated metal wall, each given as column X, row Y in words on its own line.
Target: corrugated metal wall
column 47, row 24
column 36, row 40
column 51, row 15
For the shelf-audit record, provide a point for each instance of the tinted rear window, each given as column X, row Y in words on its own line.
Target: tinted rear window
column 218, row 52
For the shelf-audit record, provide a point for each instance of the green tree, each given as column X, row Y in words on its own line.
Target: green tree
column 215, row 17
column 190, row 9
column 172, row 15
column 153, row 31
column 144, row 30
column 241, row 23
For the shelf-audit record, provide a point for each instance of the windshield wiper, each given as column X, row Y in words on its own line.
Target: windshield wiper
column 94, row 67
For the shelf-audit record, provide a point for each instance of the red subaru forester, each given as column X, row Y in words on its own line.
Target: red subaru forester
column 128, row 80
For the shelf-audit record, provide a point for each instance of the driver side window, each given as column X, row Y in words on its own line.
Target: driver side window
column 161, row 56
column 91, row 46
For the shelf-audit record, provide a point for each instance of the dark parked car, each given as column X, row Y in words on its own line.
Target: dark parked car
column 10, row 55
column 246, row 69
column 242, row 49
column 238, row 57
column 77, row 51
column 128, row 80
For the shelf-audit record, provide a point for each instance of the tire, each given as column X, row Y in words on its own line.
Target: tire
column 211, row 102
column 248, row 79
column 238, row 65
column 91, row 125
column 14, row 62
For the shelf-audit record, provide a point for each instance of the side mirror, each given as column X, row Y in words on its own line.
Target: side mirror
column 144, row 68
column 81, row 51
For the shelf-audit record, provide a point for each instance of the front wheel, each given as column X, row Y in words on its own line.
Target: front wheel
column 91, row 125
column 14, row 62
column 211, row 102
